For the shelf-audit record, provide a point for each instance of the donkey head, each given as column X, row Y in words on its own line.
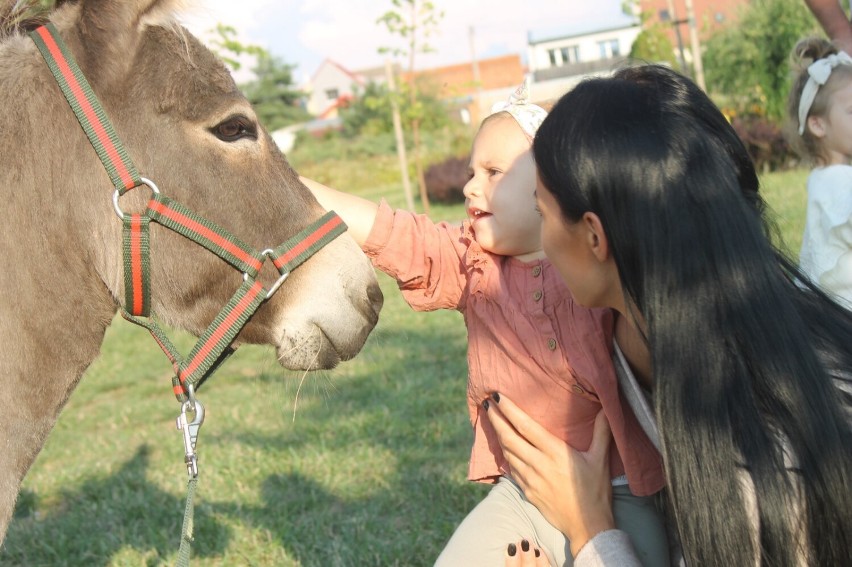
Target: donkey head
column 189, row 129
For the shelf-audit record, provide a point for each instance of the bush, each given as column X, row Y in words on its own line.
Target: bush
column 765, row 143
column 445, row 180
column 332, row 146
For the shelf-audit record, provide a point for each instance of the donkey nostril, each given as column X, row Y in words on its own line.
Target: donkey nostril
column 376, row 299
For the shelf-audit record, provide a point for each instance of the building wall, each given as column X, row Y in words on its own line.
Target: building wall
column 471, row 99
column 585, row 48
column 328, row 85
column 458, row 80
column 710, row 15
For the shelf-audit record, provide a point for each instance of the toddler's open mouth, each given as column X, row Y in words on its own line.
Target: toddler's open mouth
column 475, row 214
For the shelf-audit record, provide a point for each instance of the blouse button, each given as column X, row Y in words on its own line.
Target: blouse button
column 537, row 295
column 551, row 344
column 578, row 389
column 536, row 271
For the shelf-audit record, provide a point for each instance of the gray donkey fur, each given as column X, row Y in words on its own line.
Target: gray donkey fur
column 60, row 240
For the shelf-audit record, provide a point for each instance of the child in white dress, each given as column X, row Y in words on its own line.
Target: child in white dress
column 821, row 107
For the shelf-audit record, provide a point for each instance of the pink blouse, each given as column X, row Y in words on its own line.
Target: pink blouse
column 527, row 338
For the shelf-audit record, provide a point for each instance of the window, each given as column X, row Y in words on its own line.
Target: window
column 560, row 56
column 570, row 54
column 332, row 94
column 609, row 48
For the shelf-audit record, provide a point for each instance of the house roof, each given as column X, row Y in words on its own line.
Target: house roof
column 578, row 29
column 377, row 73
column 354, row 76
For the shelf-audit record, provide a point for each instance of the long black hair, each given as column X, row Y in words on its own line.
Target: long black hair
column 746, row 353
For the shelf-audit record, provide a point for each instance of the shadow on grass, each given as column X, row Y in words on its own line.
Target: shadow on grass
column 406, row 516
column 123, row 509
column 406, row 404
column 363, row 531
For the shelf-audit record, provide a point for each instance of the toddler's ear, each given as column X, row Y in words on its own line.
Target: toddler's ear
column 816, row 126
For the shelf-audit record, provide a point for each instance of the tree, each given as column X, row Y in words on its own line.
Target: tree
column 273, row 94
column 229, row 49
column 369, row 111
column 652, row 44
column 749, row 61
column 413, row 21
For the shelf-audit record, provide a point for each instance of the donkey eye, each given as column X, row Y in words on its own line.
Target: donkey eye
column 235, row 128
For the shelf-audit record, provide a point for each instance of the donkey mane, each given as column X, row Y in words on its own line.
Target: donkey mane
column 21, row 16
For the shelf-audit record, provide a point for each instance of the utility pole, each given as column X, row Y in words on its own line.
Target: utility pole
column 697, row 63
column 400, row 141
column 676, row 25
column 477, row 101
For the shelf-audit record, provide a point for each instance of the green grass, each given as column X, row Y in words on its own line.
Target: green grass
column 363, row 465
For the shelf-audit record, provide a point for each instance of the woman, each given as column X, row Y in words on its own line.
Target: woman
column 650, row 206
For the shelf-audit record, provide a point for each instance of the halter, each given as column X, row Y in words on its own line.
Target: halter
column 214, row 345
column 216, row 340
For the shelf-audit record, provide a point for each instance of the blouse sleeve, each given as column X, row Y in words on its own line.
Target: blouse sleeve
column 829, row 229
column 611, row 548
column 425, row 258
column 838, row 278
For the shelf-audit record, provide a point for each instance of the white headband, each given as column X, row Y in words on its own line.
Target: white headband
column 528, row 116
column 819, row 71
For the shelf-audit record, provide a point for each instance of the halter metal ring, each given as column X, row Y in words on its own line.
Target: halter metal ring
column 145, row 181
column 268, row 253
column 277, row 284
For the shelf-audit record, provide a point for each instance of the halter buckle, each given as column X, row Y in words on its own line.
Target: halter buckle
column 190, row 433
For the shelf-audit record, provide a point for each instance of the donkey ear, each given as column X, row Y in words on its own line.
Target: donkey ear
column 113, row 28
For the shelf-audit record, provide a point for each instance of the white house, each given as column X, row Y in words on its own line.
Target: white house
column 558, row 58
column 331, row 84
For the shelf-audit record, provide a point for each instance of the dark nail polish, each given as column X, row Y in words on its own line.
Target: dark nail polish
column 485, row 405
column 512, row 550
column 525, row 545
column 537, row 553
column 496, row 397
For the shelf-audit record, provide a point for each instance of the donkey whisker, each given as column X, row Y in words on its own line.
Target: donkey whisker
column 302, row 381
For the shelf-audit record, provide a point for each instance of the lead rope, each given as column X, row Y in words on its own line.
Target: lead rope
column 214, row 345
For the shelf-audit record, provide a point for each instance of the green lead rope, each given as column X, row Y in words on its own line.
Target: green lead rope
column 186, row 537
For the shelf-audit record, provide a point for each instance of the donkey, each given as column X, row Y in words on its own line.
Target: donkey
column 187, row 127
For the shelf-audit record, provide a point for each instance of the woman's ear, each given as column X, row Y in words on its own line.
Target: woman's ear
column 598, row 243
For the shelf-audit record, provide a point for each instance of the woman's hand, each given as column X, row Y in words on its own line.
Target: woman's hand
column 522, row 554
column 570, row 488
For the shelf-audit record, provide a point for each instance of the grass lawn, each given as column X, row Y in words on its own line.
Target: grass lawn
column 363, row 465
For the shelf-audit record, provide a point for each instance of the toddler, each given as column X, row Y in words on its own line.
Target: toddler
column 527, row 338
column 821, row 107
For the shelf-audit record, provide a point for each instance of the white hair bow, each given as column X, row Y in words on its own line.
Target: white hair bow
column 528, row 116
column 819, row 71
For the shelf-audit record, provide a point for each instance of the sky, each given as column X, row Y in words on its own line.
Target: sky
column 305, row 32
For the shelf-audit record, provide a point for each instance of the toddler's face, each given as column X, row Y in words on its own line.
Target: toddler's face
column 500, row 196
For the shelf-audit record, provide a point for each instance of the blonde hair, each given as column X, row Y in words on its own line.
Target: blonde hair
column 806, row 52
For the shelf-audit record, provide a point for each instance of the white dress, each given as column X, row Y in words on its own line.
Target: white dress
column 826, row 255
